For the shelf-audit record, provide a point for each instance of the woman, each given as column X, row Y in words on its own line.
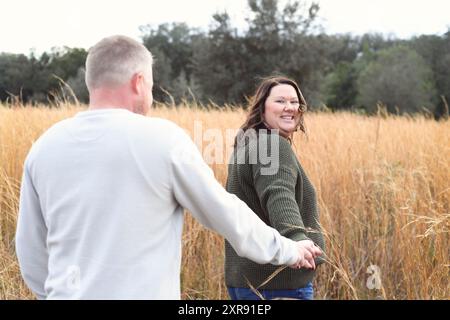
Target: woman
column 284, row 198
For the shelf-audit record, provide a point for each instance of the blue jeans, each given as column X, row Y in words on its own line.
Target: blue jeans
column 305, row 293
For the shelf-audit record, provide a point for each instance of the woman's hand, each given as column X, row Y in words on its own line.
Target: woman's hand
column 307, row 252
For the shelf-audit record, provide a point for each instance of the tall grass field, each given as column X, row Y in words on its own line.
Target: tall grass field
column 383, row 186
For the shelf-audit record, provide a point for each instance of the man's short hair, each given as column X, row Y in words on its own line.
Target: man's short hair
column 114, row 60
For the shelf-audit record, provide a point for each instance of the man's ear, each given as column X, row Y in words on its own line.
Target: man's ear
column 136, row 83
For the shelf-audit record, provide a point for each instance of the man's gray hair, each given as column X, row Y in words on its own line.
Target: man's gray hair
column 114, row 60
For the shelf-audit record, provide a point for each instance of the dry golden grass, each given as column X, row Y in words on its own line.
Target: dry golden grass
column 382, row 184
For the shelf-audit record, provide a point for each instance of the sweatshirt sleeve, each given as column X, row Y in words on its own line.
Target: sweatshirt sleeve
column 276, row 191
column 196, row 189
column 31, row 237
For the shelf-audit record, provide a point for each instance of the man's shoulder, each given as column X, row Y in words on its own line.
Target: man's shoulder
column 53, row 131
column 47, row 137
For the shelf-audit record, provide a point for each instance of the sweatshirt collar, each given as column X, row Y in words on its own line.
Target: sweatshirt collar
column 106, row 111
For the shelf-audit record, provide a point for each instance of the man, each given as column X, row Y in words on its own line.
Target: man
column 102, row 197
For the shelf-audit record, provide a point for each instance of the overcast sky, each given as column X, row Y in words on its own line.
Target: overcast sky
column 43, row 24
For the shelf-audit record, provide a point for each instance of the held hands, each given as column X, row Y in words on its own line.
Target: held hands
column 307, row 252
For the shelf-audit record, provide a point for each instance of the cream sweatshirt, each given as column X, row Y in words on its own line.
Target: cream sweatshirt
column 101, row 209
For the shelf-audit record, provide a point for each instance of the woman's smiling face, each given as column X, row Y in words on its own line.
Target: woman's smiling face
column 281, row 109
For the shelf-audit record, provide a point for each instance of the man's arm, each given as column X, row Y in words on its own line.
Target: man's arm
column 31, row 235
column 197, row 190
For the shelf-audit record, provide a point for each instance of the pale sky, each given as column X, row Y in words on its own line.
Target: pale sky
column 43, row 24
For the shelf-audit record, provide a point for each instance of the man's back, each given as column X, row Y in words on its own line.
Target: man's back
column 104, row 188
column 101, row 209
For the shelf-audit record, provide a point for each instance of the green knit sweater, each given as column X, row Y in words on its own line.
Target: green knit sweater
column 285, row 200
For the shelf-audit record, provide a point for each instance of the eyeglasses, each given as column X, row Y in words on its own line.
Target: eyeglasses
column 296, row 104
column 285, row 102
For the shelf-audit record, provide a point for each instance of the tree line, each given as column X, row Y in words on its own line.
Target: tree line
column 223, row 64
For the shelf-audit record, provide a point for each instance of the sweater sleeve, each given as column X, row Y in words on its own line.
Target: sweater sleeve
column 276, row 192
column 31, row 237
column 196, row 189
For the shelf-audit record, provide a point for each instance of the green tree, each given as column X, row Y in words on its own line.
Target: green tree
column 66, row 62
column 15, row 69
column 221, row 63
column 279, row 42
column 398, row 78
column 77, row 85
column 340, row 87
column 172, row 48
column 436, row 52
column 228, row 64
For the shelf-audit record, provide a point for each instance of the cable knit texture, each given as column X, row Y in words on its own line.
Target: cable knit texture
column 285, row 200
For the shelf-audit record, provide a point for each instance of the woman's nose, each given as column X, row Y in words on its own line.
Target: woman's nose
column 290, row 106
